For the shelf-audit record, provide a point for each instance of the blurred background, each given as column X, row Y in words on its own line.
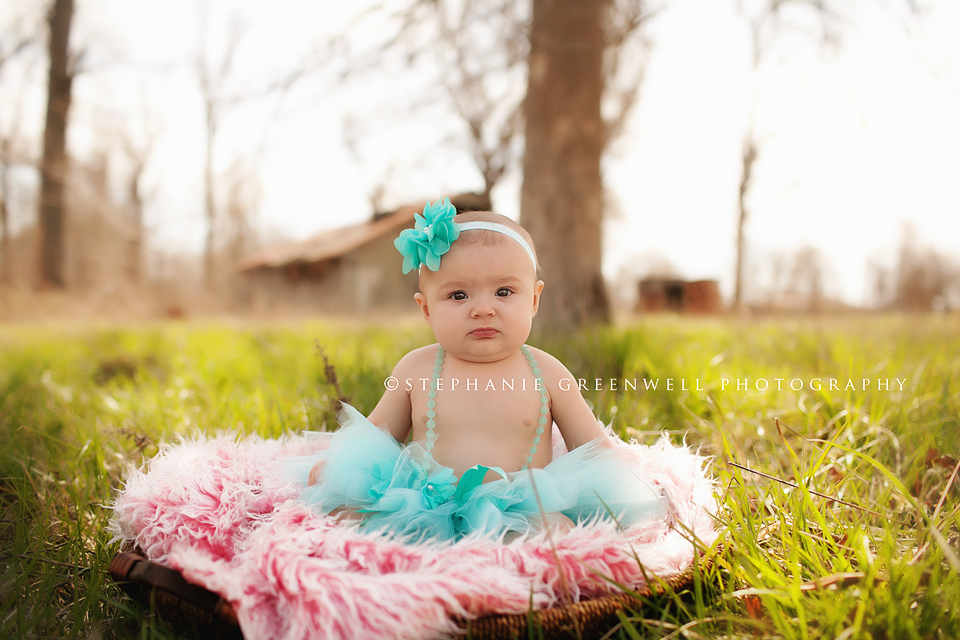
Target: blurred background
column 191, row 157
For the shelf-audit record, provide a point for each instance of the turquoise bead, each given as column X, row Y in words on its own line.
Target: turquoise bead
column 432, row 403
column 543, row 419
column 533, row 450
column 431, row 413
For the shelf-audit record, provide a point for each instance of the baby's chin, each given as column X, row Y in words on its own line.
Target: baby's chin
column 481, row 353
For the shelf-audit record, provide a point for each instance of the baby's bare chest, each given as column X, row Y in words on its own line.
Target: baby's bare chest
column 502, row 406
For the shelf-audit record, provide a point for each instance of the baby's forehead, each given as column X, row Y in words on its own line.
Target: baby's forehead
column 488, row 257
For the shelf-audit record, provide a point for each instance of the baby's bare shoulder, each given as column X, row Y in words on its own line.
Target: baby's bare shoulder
column 551, row 369
column 415, row 361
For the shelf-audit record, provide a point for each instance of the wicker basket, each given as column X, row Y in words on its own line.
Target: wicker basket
column 176, row 599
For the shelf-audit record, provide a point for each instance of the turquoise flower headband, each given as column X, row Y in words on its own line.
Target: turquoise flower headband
column 432, row 236
column 435, row 231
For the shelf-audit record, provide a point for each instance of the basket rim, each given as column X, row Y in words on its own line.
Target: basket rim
column 124, row 568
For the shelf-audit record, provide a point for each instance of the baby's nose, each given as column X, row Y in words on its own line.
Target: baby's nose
column 483, row 307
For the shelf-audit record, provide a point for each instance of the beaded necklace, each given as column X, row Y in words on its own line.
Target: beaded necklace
column 432, row 404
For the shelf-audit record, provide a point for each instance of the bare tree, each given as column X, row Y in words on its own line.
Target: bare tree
column 748, row 157
column 14, row 39
column 806, row 277
column 213, row 77
column 924, row 279
column 138, row 157
column 562, row 197
column 482, row 82
column 480, row 48
column 5, row 161
column 767, row 22
column 54, row 164
column 576, row 60
column 582, row 71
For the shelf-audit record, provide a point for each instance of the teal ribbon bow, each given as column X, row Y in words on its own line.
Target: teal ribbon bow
column 473, row 478
column 430, row 238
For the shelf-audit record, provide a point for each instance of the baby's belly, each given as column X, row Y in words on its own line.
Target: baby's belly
column 463, row 456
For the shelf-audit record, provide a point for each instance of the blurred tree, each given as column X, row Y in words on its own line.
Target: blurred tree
column 14, row 39
column 925, row 280
column 475, row 67
column 768, row 21
column 562, row 197
column 213, row 77
column 137, row 156
column 5, row 162
column 583, row 61
column 578, row 64
column 478, row 49
column 214, row 73
column 54, row 164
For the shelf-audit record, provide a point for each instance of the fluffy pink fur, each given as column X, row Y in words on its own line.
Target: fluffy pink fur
column 219, row 510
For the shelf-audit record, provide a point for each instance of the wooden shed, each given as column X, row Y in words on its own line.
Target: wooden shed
column 680, row 296
column 353, row 269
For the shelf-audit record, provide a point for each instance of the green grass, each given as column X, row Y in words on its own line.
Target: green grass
column 80, row 404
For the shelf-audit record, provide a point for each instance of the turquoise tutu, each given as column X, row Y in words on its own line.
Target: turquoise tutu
column 368, row 471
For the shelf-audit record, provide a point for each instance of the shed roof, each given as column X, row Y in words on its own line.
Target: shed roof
column 336, row 243
column 330, row 244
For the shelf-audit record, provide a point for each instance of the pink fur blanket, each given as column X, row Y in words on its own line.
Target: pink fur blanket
column 219, row 510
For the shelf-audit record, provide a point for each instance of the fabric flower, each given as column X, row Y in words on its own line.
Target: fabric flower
column 440, row 487
column 431, row 237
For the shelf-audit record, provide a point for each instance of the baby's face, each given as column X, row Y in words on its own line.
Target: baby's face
column 482, row 301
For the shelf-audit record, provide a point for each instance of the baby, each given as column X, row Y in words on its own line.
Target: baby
column 478, row 406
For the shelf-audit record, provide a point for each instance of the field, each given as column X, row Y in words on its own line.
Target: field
column 850, row 530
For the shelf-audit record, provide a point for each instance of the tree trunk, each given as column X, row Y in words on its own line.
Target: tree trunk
column 749, row 157
column 54, row 164
column 209, row 204
column 135, row 204
column 562, row 196
column 6, row 264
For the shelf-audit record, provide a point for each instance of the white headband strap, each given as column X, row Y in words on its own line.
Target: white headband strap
column 505, row 230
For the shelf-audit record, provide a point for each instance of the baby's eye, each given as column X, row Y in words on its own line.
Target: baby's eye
column 458, row 295
column 503, row 292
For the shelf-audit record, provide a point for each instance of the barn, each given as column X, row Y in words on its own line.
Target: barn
column 349, row 270
column 680, row 296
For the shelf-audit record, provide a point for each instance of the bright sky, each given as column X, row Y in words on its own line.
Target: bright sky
column 854, row 141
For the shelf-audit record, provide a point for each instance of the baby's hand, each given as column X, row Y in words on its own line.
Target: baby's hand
column 315, row 473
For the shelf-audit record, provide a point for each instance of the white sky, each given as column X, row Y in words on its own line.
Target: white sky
column 854, row 142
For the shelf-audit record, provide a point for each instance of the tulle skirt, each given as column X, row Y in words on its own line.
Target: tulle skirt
column 369, row 472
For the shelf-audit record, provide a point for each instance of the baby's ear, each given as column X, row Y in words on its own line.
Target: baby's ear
column 424, row 309
column 537, row 289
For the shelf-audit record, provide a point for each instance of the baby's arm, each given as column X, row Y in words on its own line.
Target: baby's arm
column 394, row 410
column 570, row 411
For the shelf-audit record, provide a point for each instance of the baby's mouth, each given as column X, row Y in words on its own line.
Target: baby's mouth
column 484, row 332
